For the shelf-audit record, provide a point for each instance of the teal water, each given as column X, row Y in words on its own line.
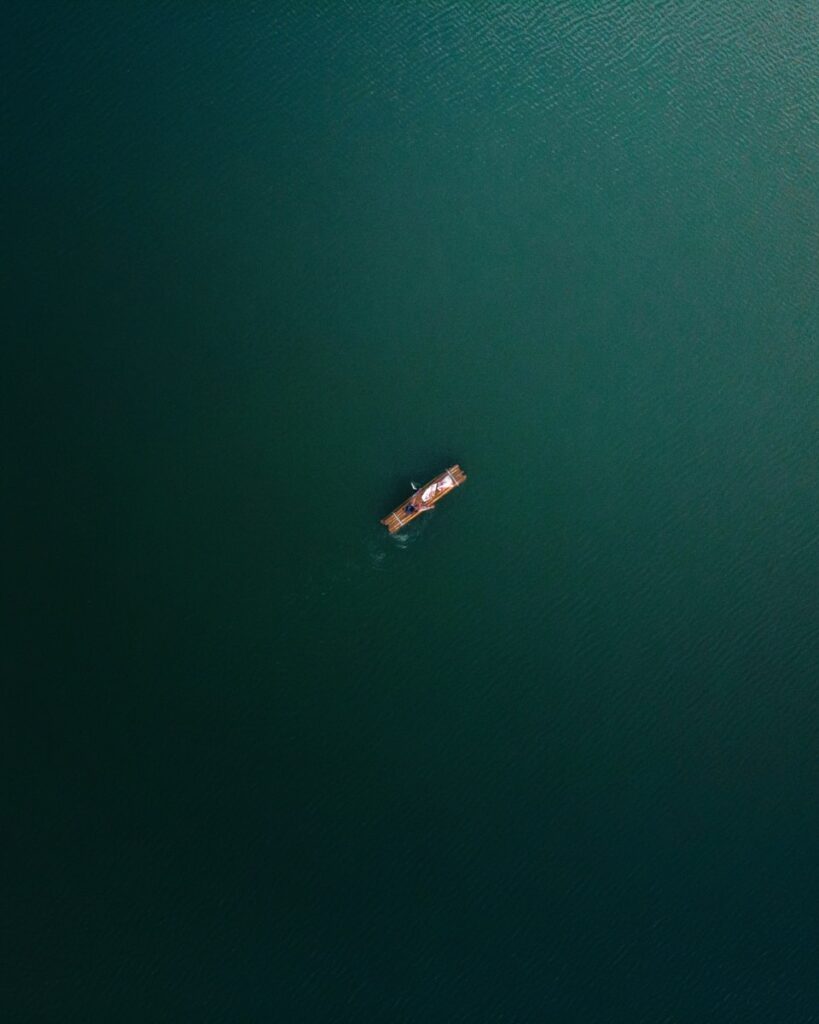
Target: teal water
column 549, row 756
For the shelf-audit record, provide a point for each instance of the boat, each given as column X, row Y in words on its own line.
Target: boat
column 424, row 499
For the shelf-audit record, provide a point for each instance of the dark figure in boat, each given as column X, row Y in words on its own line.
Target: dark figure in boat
column 419, row 506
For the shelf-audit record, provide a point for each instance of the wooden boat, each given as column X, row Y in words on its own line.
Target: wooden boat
column 424, row 499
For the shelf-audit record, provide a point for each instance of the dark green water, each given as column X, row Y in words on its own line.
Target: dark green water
column 552, row 755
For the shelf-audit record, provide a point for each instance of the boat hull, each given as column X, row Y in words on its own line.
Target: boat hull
column 425, row 498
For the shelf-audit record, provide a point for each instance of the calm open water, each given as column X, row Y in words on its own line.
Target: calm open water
column 551, row 755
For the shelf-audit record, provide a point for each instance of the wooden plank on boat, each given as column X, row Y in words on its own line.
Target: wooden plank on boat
column 424, row 498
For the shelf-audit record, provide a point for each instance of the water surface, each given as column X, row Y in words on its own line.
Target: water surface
column 550, row 755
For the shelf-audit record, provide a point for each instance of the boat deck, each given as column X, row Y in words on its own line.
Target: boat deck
column 424, row 498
